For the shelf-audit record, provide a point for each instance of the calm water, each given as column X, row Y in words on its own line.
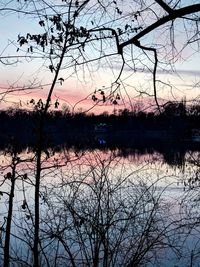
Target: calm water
column 114, row 206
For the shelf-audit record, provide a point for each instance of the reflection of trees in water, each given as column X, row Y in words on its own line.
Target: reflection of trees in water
column 174, row 157
column 170, row 152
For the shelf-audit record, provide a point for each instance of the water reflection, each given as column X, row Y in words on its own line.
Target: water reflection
column 173, row 154
column 116, row 205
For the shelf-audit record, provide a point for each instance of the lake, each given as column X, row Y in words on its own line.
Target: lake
column 104, row 206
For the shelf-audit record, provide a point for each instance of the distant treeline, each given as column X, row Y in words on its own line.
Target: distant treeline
column 174, row 118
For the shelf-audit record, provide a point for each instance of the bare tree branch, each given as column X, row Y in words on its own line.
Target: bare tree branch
column 176, row 14
column 164, row 6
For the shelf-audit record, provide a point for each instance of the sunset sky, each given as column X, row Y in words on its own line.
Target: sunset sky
column 79, row 84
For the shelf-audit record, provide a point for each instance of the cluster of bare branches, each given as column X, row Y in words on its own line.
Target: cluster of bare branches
column 85, row 36
column 93, row 212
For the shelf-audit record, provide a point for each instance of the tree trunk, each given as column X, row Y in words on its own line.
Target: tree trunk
column 9, row 218
column 37, row 209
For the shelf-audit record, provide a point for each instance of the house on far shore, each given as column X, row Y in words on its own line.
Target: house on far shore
column 101, row 128
column 195, row 135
